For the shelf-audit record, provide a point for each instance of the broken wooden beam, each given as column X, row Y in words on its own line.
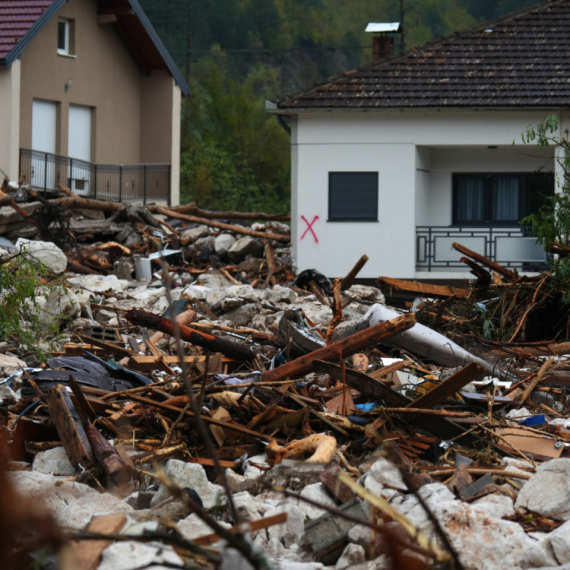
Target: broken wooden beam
column 449, row 386
column 69, row 428
column 347, row 282
column 423, row 288
column 502, row 271
column 341, row 348
column 213, row 343
column 220, row 225
column 111, row 462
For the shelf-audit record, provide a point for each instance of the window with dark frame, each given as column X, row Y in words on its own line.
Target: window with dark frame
column 499, row 199
column 353, row 196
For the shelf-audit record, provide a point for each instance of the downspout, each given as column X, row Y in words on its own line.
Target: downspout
column 284, row 124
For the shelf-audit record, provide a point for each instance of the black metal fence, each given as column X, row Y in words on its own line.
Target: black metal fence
column 113, row 182
column 511, row 247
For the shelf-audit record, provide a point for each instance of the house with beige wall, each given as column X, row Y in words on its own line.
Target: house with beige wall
column 411, row 153
column 90, row 98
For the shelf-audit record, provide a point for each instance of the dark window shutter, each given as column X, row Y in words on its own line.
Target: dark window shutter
column 353, row 196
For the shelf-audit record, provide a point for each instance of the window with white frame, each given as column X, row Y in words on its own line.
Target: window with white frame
column 65, row 37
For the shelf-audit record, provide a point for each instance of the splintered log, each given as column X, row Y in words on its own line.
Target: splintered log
column 193, row 210
column 423, row 288
column 108, row 458
column 502, row 271
column 483, row 276
column 345, row 347
column 212, row 343
column 69, row 428
column 351, row 276
column 449, row 386
column 220, row 225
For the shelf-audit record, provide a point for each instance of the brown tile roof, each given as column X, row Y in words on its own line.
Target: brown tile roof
column 16, row 18
column 519, row 60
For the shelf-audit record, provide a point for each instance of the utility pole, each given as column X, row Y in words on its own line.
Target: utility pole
column 402, row 28
column 188, row 41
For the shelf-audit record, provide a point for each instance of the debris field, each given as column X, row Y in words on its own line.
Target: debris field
column 190, row 402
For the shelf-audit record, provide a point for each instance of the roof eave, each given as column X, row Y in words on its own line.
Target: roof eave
column 272, row 109
column 178, row 77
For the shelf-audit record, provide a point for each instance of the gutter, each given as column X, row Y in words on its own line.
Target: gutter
column 273, row 109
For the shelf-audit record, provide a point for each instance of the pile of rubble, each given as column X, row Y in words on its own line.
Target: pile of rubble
column 200, row 408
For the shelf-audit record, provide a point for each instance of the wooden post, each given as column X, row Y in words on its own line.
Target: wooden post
column 69, row 428
column 347, row 346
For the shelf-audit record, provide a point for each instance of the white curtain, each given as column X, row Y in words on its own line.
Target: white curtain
column 506, row 198
column 471, row 200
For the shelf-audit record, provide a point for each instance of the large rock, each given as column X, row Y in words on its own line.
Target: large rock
column 53, row 461
column 223, row 244
column 496, row 506
column 485, row 543
column 43, row 252
column 196, row 233
column 190, row 475
column 317, row 493
column 78, row 514
column 72, row 504
column 203, row 246
column 560, row 542
column 353, row 554
column 386, row 473
column 134, row 555
column 58, row 305
column 245, row 246
column 548, row 491
column 99, row 283
column 10, row 365
column 243, row 315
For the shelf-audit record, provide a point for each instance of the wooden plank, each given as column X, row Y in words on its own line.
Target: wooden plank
column 206, row 462
column 386, row 370
column 69, row 428
column 345, row 347
column 423, row 288
column 252, row 526
column 166, row 407
column 449, row 386
column 114, row 349
column 376, row 390
column 87, row 553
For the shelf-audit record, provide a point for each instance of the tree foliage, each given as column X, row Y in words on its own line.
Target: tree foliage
column 238, row 53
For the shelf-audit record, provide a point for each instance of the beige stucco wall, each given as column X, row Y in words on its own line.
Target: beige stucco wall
column 136, row 118
column 9, row 119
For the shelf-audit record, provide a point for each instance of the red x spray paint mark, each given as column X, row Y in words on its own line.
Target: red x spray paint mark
column 310, row 228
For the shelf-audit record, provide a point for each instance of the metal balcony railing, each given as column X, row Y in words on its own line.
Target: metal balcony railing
column 510, row 247
column 112, row 182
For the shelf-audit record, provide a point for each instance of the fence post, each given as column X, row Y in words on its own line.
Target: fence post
column 95, row 181
column 70, row 181
column 169, row 189
column 20, row 168
column 45, row 173
column 144, row 174
column 120, row 182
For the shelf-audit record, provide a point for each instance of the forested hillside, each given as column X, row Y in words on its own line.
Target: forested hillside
column 238, row 53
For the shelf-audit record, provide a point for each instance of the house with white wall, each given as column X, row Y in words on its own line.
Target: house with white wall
column 399, row 159
column 91, row 99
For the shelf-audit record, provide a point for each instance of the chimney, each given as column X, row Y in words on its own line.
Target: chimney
column 382, row 47
column 383, row 44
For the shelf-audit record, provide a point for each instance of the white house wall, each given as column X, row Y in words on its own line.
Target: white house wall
column 414, row 178
column 10, row 119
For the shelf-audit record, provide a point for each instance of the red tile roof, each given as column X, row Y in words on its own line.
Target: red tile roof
column 16, row 18
column 519, row 60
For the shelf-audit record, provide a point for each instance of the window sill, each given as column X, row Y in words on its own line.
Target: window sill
column 353, row 221
column 64, row 54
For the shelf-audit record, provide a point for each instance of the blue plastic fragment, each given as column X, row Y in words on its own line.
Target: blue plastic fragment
column 365, row 407
column 360, row 421
column 539, row 420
